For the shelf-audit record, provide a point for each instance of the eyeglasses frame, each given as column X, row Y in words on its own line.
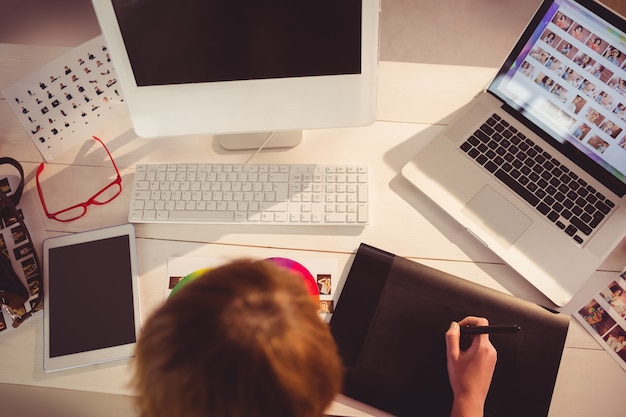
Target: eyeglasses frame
column 84, row 205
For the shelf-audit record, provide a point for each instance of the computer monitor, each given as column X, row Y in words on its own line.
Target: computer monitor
column 244, row 67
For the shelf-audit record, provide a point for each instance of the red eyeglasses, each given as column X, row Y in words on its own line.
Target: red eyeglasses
column 104, row 196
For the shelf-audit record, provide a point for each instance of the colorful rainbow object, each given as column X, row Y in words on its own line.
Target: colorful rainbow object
column 287, row 263
column 300, row 270
column 187, row 279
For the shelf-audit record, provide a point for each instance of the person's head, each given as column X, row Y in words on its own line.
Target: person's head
column 242, row 340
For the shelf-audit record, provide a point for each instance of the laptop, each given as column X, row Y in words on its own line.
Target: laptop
column 389, row 326
column 535, row 165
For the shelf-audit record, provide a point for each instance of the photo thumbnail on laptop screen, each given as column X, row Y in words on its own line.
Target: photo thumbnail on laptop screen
column 570, row 80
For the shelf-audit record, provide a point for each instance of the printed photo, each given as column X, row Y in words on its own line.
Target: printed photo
column 594, row 116
column 550, row 38
column 566, row 48
column 327, row 307
column 18, row 234
column 588, row 88
column 597, row 44
column 600, row 71
column 614, row 56
column 562, row 21
column 581, row 131
column 527, row 69
column 611, row 128
column 578, row 32
column 616, row 341
column 597, row 143
column 555, row 65
column 618, row 84
column 596, row 317
column 584, row 61
column 540, row 55
column 605, row 99
column 616, row 297
column 324, row 284
column 620, row 111
column 572, row 76
column 577, row 104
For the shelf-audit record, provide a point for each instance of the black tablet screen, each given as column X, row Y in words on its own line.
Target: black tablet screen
column 90, row 296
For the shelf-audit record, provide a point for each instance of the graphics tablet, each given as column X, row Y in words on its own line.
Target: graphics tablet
column 390, row 322
column 91, row 312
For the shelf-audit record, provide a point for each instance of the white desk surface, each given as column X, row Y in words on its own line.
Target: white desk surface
column 415, row 102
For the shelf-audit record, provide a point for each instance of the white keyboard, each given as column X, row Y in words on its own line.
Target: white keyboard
column 282, row 194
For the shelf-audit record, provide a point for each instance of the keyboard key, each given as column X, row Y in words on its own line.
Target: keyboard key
column 580, row 225
column 519, row 189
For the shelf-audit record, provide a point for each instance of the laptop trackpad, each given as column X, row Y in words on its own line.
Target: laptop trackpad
column 497, row 215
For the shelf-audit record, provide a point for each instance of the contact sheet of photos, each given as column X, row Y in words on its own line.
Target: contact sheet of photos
column 67, row 101
column 14, row 246
column 323, row 271
column 584, row 76
column 605, row 319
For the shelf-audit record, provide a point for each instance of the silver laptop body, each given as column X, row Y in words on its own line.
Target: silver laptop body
column 559, row 104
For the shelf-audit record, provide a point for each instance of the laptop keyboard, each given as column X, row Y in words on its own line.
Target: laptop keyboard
column 559, row 194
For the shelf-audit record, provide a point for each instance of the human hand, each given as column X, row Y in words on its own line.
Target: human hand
column 470, row 371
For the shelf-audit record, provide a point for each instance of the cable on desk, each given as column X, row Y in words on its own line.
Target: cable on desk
column 271, row 135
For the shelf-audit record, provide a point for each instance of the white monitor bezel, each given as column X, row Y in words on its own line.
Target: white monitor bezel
column 261, row 106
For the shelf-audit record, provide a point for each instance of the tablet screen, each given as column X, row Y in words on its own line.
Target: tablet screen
column 92, row 306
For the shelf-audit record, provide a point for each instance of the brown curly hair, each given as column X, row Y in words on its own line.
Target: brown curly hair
column 242, row 340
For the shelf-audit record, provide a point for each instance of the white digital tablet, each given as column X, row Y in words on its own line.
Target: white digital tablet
column 91, row 310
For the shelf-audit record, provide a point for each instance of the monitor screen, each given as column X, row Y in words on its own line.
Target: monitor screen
column 215, row 66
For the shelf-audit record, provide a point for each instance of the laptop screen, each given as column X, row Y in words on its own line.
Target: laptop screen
column 567, row 75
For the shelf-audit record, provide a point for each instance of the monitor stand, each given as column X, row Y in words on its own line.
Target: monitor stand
column 246, row 141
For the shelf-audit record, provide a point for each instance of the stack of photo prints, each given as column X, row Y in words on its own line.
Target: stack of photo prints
column 604, row 317
column 15, row 247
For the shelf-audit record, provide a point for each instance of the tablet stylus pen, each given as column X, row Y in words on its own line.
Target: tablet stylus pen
column 494, row 328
